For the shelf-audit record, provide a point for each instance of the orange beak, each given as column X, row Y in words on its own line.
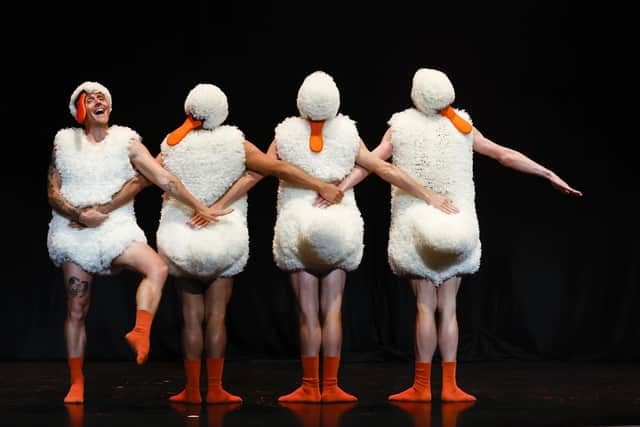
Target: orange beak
column 81, row 110
column 315, row 139
column 178, row 135
column 461, row 124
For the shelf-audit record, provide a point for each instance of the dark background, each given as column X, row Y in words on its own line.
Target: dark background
column 559, row 276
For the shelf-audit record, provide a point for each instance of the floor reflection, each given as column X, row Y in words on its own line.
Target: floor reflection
column 75, row 412
column 319, row 415
column 421, row 413
column 213, row 414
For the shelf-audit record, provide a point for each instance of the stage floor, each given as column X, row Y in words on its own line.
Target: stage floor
column 510, row 393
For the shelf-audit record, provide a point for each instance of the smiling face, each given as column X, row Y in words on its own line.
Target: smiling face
column 98, row 109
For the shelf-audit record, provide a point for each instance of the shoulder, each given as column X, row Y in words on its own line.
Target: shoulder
column 67, row 134
column 124, row 132
column 404, row 115
column 229, row 131
column 290, row 122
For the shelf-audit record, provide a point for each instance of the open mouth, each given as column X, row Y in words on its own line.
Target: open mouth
column 99, row 111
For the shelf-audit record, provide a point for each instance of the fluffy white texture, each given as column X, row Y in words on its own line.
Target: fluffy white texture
column 208, row 103
column 89, row 87
column 318, row 97
column 208, row 162
column 310, row 238
column 424, row 241
column 91, row 174
column 340, row 146
column 431, row 90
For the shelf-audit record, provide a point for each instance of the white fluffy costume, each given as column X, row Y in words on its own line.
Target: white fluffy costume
column 208, row 161
column 90, row 175
column 307, row 237
column 424, row 241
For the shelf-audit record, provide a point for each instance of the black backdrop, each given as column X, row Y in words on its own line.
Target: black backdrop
column 559, row 276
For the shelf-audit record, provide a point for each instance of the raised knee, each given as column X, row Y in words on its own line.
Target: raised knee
column 159, row 272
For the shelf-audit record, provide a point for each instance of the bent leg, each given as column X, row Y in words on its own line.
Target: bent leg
column 192, row 300
column 448, row 341
column 141, row 258
column 425, row 342
column 305, row 287
column 331, row 292
column 216, row 299
column 78, row 287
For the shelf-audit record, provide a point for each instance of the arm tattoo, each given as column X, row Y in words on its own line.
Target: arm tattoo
column 172, row 187
column 55, row 198
column 77, row 287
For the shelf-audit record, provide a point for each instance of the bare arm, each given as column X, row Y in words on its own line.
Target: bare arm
column 270, row 165
column 515, row 160
column 126, row 194
column 151, row 169
column 395, row 176
column 89, row 217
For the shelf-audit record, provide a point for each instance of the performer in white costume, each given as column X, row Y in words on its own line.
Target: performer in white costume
column 209, row 158
column 94, row 232
column 319, row 246
column 434, row 143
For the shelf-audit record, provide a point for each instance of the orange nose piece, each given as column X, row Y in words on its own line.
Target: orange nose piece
column 178, row 135
column 81, row 110
column 461, row 124
column 315, row 139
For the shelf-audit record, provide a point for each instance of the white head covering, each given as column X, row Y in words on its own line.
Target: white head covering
column 89, row 87
column 318, row 97
column 431, row 91
column 208, row 103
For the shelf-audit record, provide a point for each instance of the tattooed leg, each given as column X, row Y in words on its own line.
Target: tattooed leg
column 78, row 287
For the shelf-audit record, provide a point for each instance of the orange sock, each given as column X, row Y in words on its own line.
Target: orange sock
column 215, row 392
column 450, row 390
column 330, row 390
column 191, row 392
column 138, row 337
column 76, row 391
column 420, row 391
column 309, row 391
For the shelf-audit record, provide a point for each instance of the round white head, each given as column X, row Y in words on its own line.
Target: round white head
column 431, row 90
column 318, row 97
column 208, row 103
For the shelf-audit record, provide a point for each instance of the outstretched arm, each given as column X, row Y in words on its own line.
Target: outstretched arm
column 395, row 176
column 515, row 160
column 151, row 169
column 89, row 217
column 271, row 165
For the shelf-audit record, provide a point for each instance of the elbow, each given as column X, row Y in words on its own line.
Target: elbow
column 505, row 158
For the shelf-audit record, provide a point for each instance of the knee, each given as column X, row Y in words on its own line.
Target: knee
column 309, row 318
column 158, row 273
column 77, row 310
column 215, row 316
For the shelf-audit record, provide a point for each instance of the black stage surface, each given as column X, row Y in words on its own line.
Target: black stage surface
column 510, row 393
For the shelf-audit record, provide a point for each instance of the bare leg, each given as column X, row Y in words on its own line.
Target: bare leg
column 426, row 340
column 426, row 335
column 77, row 283
column 141, row 258
column 78, row 286
column 216, row 299
column 305, row 287
column 331, row 291
column 192, row 298
column 448, row 341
